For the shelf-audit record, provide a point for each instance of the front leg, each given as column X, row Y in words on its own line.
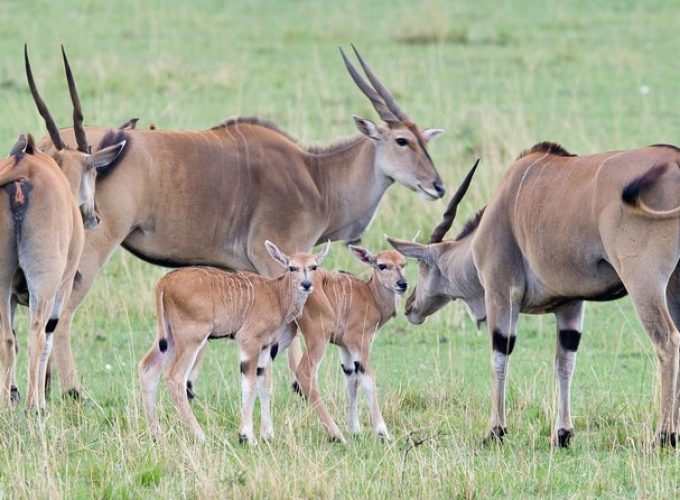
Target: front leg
column 264, row 386
column 569, row 328
column 502, row 313
column 249, row 361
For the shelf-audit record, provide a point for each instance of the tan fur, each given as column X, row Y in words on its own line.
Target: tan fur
column 348, row 312
column 195, row 304
column 40, row 245
column 212, row 198
column 556, row 233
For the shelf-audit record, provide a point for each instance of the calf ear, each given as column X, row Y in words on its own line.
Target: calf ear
column 321, row 256
column 105, row 157
column 276, row 253
column 362, row 254
column 411, row 249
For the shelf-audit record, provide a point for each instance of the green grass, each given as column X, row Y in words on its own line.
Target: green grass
column 498, row 77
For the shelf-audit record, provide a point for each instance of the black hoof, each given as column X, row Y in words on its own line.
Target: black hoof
column 14, row 395
column 296, row 389
column 335, row 440
column 73, row 394
column 666, row 439
column 243, row 439
column 495, row 435
column 191, row 395
column 564, row 437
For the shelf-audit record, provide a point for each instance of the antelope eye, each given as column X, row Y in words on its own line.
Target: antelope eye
column 382, row 267
column 312, row 268
column 401, row 141
column 292, row 269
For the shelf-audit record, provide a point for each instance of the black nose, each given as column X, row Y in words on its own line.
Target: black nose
column 439, row 187
column 402, row 284
column 306, row 285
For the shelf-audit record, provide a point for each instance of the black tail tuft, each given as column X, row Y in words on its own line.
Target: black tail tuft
column 632, row 191
column 163, row 345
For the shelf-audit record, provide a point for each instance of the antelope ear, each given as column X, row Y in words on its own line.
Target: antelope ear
column 321, row 256
column 411, row 249
column 24, row 144
column 432, row 133
column 105, row 157
column 362, row 254
column 368, row 128
column 276, row 254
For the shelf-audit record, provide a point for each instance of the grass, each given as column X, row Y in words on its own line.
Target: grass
column 498, row 77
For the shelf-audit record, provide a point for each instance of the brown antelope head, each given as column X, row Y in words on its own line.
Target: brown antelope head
column 301, row 266
column 435, row 287
column 400, row 146
column 387, row 265
column 78, row 164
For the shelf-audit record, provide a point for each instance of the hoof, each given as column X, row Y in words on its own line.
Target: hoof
column 267, row 436
column 564, row 437
column 666, row 439
column 296, row 389
column 495, row 435
column 244, row 438
column 336, row 439
column 73, row 394
column 191, row 395
column 14, row 395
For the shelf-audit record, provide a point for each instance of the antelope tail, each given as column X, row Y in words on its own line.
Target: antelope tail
column 631, row 194
column 162, row 326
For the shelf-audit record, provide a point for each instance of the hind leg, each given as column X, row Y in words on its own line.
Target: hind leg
column 39, row 347
column 8, row 350
column 673, row 299
column 150, row 368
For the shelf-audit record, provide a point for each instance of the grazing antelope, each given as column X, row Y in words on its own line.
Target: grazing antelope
column 347, row 311
column 559, row 230
column 212, row 197
column 40, row 245
column 196, row 304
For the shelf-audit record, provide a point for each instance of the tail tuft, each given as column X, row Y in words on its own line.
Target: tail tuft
column 631, row 193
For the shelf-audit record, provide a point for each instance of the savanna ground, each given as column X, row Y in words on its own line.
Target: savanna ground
column 498, row 77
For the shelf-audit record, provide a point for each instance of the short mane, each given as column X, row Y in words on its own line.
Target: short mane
column 546, row 147
column 314, row 150
column 470, row 225
column 674, row 148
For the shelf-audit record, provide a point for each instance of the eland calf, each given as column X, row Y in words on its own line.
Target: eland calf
column 196, row 304
column 348, row 312
column 559, row 230
column 40, row 245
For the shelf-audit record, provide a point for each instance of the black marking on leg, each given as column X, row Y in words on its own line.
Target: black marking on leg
column 570, row 339
column 274, row 351
column 564, row 437
column 163, row 345
column 495, row 435
column 503, row 344
column 244, row 367
column 48, row 378
column 347, row 371
column 190, row 391
column 358, row 367
column 14, row 394
column 73, row 394
column 51, row 325
column 78, row 277
column 16, row 344
column 260, row 371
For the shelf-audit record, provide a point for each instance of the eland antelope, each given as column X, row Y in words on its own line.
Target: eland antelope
column 40, row 246
column 348, row 312
column 196, row 304
column 560, row 230
column 212, row 197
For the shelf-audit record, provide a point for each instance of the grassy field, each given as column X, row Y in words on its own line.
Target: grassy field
column 498, row 76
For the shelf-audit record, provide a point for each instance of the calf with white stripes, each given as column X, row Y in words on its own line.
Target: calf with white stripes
column 347, row 311
column 196, row 304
